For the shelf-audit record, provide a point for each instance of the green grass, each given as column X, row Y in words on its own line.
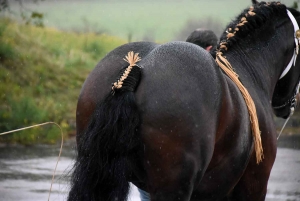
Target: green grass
column 159, row 19
column 41, row 74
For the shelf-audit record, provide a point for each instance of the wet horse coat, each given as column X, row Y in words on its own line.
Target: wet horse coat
column 184, row 133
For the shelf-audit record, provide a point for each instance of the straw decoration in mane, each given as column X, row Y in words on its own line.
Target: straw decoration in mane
column 180, row 125
column 237, row 31
column 245, row 24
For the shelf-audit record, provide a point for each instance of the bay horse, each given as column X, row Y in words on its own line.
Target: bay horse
column 176, row 125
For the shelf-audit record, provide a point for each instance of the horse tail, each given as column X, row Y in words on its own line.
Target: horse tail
column 101, row 170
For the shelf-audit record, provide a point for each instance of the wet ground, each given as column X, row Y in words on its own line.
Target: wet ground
column 26, row 172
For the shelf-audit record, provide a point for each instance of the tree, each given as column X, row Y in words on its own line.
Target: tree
column 3, row 5
column 27, row 15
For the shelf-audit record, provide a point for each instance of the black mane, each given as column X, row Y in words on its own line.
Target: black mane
column 250, row 21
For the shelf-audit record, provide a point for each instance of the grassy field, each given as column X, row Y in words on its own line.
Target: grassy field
column 41, row 74
column 160, row 20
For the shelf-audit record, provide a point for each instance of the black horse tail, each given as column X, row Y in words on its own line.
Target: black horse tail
column 101, row 170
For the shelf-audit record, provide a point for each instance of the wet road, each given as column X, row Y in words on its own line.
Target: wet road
column 26, row 172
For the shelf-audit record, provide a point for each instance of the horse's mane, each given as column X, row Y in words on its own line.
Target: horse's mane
column 259, row 15
column 259, row 18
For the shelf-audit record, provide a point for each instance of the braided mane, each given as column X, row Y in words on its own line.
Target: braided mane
column 256, row 17
column 246, row 26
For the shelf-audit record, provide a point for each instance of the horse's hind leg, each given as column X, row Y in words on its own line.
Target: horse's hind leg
column 172, row 167
column 170, row 180
column 253, row 184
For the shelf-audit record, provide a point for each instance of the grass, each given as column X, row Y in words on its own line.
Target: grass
column 41, row 74
column 161, row 20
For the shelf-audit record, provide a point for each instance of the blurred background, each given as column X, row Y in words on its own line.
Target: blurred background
column 47, row 49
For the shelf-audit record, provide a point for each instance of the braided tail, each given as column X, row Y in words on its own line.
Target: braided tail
column 101, row 171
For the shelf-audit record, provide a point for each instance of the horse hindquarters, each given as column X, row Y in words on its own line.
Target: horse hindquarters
column 100, row 172
column 179, row 119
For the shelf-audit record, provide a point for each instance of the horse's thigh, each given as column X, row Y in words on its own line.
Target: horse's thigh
column 173, row 165
column 253, row 184
column 171, row 180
